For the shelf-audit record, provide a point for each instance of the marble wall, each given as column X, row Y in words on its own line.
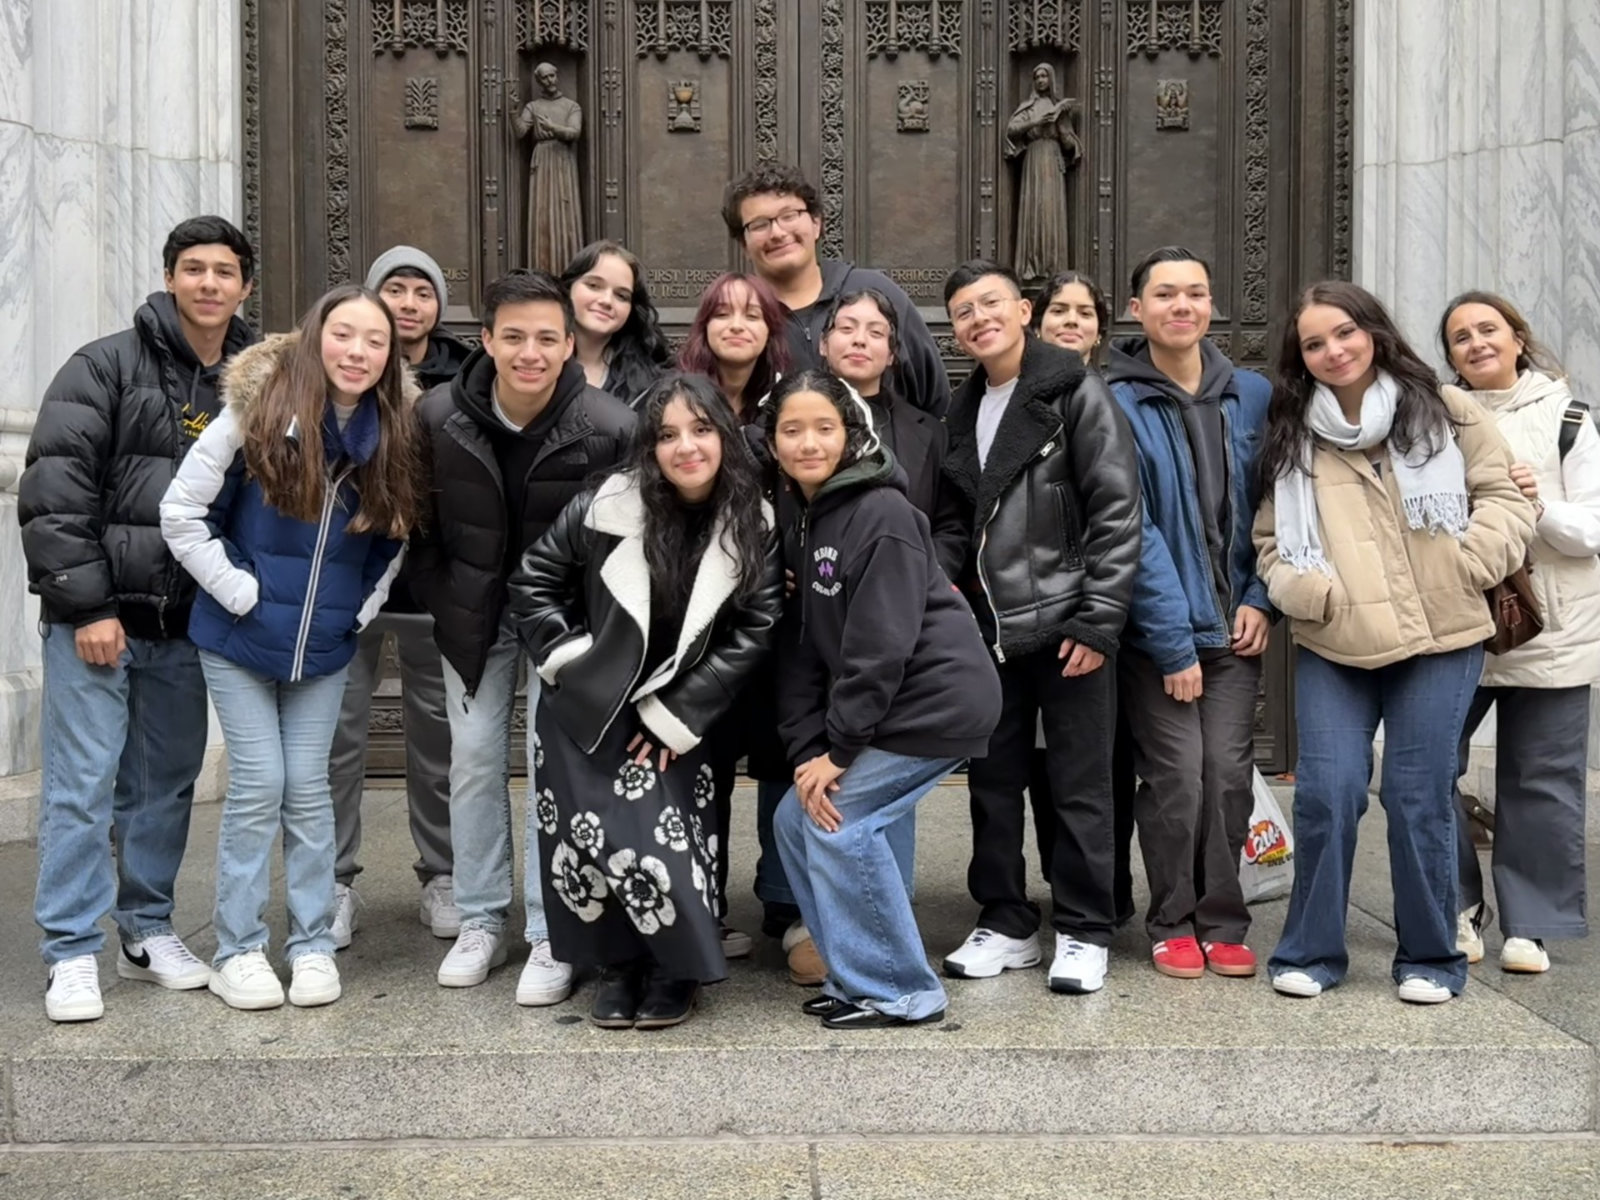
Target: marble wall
column 118, row 118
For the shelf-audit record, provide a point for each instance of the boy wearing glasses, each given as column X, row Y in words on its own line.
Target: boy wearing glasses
column 774, row 213
column 1042, row 469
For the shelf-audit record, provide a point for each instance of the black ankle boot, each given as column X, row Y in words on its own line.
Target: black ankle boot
column 667, row 1002
column 617, row 995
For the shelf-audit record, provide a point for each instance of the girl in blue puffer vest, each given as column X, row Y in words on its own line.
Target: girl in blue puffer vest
column 290, row 512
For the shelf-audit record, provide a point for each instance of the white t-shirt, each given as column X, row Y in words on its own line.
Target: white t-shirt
column 990, row 409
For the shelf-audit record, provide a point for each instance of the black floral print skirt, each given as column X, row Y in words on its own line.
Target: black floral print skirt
column 628, row 853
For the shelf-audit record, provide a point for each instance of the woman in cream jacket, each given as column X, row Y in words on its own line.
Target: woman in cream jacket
column 1389, row 511
column 1539, row 691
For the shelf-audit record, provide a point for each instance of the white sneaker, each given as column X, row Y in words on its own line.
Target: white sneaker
column 316, row 981
column 544, row 980
column 1414, row 989
column 162, row 959
column 1524, row 956
column 476, row 952
column 73, row 993
column 344, row 914
column 736, row 943
column 986, row 953
column 1078, row 968
column 1469, row 936
column 438, row 911
column 1296, row 983
column 247, row 981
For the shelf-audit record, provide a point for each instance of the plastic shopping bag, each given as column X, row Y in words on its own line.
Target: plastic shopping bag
column 1266, row 864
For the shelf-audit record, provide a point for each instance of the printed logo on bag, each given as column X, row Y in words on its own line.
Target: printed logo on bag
column 1267, row 844
column 827, row 582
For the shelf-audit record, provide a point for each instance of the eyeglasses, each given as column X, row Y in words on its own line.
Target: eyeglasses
column 991, row 305
column 787, row 219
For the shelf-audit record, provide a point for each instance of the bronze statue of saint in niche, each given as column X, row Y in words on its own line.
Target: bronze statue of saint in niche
column 555, row 212
column 1040, row 133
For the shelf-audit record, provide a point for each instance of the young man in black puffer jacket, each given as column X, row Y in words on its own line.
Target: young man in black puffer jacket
column 123, row 731
column 508, row 442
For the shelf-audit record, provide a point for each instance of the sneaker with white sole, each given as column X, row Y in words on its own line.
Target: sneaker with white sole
column 247, row 981
column 1079, row 968
column 986, row 953
column 1524, row 956
column 1297, row 984
column 477, row 952
column 1469, row 933
column 344, row 914
column 438, row 910
column 73, row 993
column 1414, row 989
column 736, row 943
column 162, row 959
column 544, row 980
column 315, row 981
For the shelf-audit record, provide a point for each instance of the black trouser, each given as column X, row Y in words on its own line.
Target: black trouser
column 1541, row 769
column 1077, row 716
column 1196, row 764
column 1122, row 789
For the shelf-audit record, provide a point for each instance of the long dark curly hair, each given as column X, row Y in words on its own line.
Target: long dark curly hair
column 1420, row 413
column 673, row 539
column 639, row 350
column 860, row 437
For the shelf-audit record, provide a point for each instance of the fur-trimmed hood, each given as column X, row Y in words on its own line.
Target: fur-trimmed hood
column 245, row 377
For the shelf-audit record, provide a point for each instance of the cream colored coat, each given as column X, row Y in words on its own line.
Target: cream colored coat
column 1397, row 592
column 1566, row 571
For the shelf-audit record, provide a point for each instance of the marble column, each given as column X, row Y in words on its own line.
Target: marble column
column 117, row 120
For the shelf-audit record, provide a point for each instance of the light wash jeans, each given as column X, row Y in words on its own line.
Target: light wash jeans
column 480, row 793
column 278, row 735
column 772, row 882
column 851, row 889
column 121, row 747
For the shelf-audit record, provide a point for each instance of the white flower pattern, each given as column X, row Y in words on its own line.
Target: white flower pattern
column 642, row 885
column 582, row 888
column 670, row 831
column 705, row 786
column 634, row 780
column 587, row 834
column 545, row 812
column 538, row 751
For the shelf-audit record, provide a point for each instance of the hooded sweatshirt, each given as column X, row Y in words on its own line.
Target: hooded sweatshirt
column 886, row 654
column 445, row 352
column 1202, row 423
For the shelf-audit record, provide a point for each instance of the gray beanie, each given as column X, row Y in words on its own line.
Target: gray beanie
column 392, row 259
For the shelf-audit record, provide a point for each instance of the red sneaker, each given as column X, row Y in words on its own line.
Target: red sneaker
column 1179, row 957
column 1230, row 958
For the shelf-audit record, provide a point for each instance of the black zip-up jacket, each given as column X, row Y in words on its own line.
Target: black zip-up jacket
column 459, row 557
column 1048, row 531
column 887, row 653
column 581, row 603
column 112, row 428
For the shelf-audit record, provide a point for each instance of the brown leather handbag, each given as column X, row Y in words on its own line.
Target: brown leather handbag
column 1515, row 611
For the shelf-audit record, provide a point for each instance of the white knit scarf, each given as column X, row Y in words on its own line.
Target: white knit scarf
column 1433, row 489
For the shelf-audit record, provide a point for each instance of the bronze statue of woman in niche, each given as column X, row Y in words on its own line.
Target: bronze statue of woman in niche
column 555, row 211
column 1040, row 133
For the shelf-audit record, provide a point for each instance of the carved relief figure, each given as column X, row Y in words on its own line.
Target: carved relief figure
column 1040, row 133
column 555, row 211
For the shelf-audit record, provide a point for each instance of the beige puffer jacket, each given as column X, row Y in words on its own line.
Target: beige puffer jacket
column 1398, row 592
column 1566, row 571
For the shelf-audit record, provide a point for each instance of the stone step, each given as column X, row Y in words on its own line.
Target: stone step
column 399, row 1057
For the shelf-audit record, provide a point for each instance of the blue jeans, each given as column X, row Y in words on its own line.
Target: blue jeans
column 121, row 748
column 1422, row 703
column 480, row 793
column 772, row 881
column 851, row 889
column 278, row 736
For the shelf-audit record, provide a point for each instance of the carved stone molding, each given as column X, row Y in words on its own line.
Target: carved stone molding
column 422, row 102
column 250, row 25
column 1046, row 24
column 911, row 108
column 1343, row 136
column 1257, row 143
column 443, row 26
column 1193, row 26
column 1172, row 104
column 336, row 137
column 683, row 106
column 932, row 26
column 766, row 80
column 704, row 27
column 561, row 24
column 831, row 94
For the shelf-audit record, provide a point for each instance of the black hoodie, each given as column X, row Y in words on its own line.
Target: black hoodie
column 886, row 653
column 444, row 359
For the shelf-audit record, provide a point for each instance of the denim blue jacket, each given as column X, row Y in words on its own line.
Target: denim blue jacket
column 1174, row 612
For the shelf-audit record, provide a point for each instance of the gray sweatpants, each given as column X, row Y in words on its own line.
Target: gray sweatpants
column 427, row 729
column 1541, row 769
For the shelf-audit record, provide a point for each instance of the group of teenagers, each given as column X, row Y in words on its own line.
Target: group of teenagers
column 791, row 545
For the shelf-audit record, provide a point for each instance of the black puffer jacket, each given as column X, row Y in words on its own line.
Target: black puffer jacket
column 112, row 428
column 1046, row 538
column 459, row 557
column 581, row 604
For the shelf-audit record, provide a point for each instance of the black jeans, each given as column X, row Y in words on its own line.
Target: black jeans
column 1077, row 715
